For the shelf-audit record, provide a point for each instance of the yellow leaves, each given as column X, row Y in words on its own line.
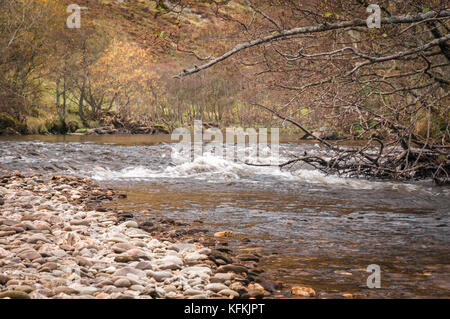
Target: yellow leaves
column 124, row 72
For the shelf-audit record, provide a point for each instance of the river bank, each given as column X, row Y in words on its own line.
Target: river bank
column 57, row 240
column 306, row 229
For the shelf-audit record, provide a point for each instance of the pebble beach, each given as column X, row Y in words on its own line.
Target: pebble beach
column 57, row 240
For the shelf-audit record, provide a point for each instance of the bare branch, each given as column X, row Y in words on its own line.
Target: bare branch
column 313, row 29
column 263, row 14
column 401, row 54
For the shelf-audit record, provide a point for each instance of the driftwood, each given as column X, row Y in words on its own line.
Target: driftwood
column 374, row 160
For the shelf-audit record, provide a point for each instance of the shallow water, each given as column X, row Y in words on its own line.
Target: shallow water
column 312, row 229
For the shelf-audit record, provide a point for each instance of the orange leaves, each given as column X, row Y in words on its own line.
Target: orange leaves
column 124, row 74
column 124, row 62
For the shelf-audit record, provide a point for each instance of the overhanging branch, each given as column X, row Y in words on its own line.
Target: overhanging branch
column 313, row 29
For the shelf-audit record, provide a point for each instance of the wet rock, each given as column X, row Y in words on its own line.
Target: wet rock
column 103, row 295
column 233, row 268
column 122, row 282
column 169, row 288
column 255, row 290
column 125, row 215
column 269, row 285
column 137, row 254
column 169, row 262
column 84, row 291
column 7, row 233
column 256, row 293
column 131, row 224
column 128, row 270
column 29, row 254
column 14, row 294
column 221, row 234
column 49, row 266
column 159, row 275
column 219, row 259
column 182, row 247
column 216, row 287
column 40, row 293
column 144, row 265
column 124, row 259
column 229, row 293
column 10, row 222
column 193, row 292
column 137, row 233
column 24, row 288
column 238, row 287
column 4, row 279
column 83, row 261
column 146, row 224
column 12, row 282
column 344, row 273
column 122, row 296
column 200, row 296
column 139, row 288
column 104, row 283
column 4, row 253
column 122, row 247
column 196, row 271
column 204, row 251
column 222, row 277
column 302, row 291
column 247, row 257
column 194, row 257
column 82, row 222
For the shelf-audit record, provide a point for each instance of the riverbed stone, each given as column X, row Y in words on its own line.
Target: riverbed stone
column 131, row 224
column 232, row 268
column 29, row 254
column 169, row 262
column 14, row 294
column 194, row 257
column 4, row 279
column 122, row 247
column 216, row 287
column 87, row 290
column 159, row 275
column 51, row 253
column 139, row 288
column 229, row 293
column 183, row 247
column 124, row 258
column 303, row 291
column 144, row 265
column 122, row 282
column 128, row 270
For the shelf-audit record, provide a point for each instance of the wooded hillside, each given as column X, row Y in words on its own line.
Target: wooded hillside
column 135, row 66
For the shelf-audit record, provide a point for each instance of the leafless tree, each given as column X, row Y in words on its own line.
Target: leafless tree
column 387, row 86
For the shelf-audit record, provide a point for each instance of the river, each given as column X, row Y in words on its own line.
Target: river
column 311, row 229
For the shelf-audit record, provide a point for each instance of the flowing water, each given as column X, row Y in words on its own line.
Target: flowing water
column 311, row 229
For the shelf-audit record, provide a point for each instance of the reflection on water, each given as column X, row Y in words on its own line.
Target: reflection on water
column 314, row 239
column 312, row 229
